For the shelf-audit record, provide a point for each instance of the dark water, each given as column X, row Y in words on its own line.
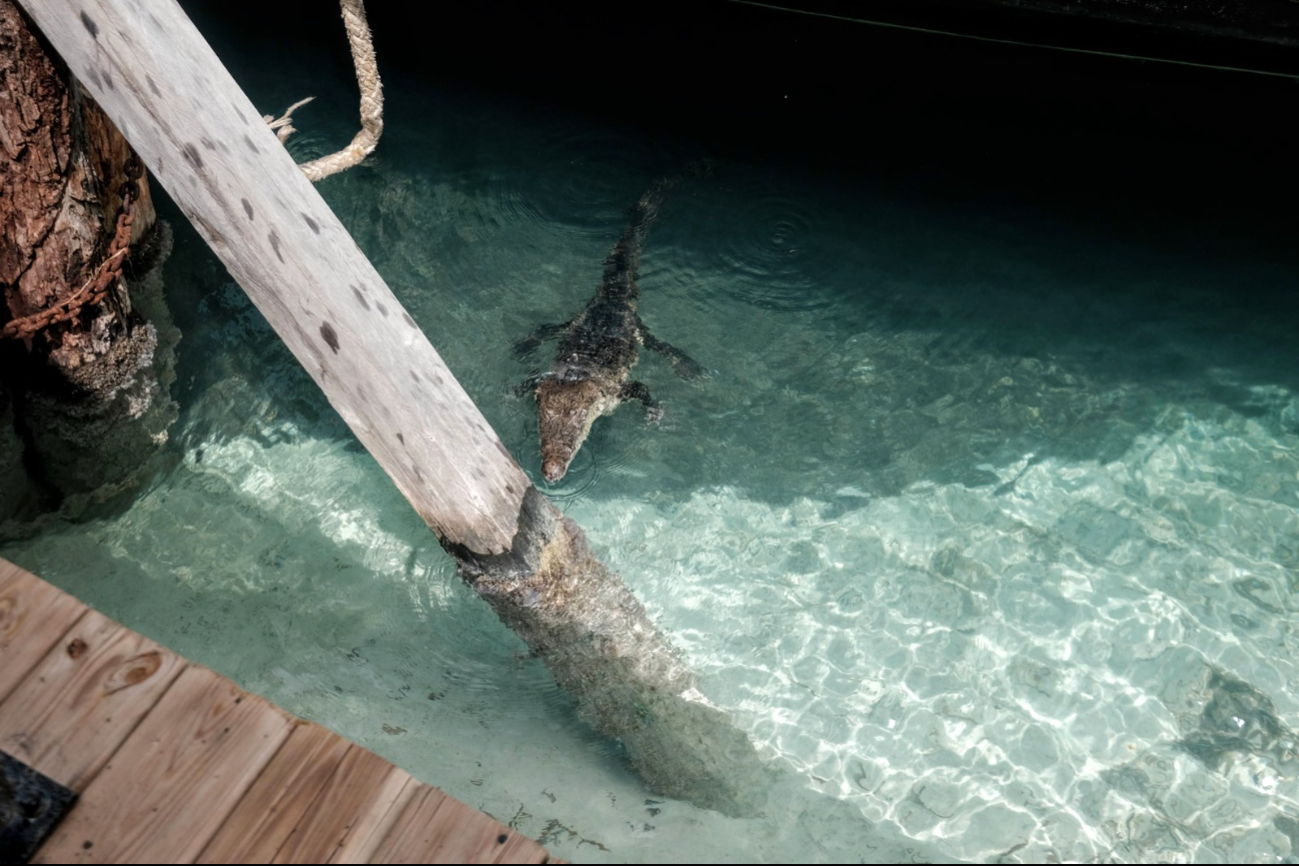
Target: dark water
column 984, row 523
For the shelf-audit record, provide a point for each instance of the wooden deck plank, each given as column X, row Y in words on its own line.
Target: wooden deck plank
column 268, row 813
column 33, row 617
column 521, row 849
column 357, row 799
column 83, row 699
column 436, row 828
column 174, row 761
column 165, row 793
column 368, row 833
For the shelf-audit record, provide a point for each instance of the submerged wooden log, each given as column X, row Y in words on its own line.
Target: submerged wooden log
column 199, row 134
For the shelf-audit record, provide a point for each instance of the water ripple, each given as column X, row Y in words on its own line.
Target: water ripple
column 577, row 180
column 771, row 244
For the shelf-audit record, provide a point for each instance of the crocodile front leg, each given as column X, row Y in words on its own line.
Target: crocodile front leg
column 638, row 391
column 685, row 366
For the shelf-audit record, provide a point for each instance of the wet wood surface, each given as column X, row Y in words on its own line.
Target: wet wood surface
column 174, row 763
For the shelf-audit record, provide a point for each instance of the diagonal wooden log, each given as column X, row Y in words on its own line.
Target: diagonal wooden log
column 159, row 81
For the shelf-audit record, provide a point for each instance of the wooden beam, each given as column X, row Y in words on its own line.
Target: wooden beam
column 196, row 130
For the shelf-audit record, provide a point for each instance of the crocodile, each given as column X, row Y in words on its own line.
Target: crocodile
column 598, row 347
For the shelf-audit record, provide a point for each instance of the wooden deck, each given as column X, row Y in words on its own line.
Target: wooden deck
column 174, row 763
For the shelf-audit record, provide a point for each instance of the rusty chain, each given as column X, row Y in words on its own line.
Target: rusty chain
column 96, row 288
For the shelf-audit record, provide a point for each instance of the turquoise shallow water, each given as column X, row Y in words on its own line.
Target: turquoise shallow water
column 985, row 525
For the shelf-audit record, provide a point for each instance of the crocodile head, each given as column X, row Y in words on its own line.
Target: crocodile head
column 566, row 409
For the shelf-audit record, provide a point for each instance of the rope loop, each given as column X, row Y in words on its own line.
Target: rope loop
column 367, row 78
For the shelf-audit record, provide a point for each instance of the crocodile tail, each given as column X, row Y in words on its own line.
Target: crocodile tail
column 620, row 266
column 646, row 210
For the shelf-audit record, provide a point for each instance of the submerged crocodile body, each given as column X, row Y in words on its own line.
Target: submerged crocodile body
column 598, row 348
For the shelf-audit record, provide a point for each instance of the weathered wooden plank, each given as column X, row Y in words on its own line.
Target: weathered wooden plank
column 320, row 798
column 289, row 786
column 156, row 77
column 165, row 792
column 357, row 798
column 373, row 827
column 33, row 617
column 436, row 828
column 84, row 698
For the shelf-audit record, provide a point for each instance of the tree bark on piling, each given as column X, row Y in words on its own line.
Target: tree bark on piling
column 89, row 403
column 205, row 142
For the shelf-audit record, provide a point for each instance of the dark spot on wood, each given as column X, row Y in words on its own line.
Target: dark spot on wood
column 275, row 245
column 414, row 375
column 93, row 75
column 208, row 143
column 437, row 380
column 500, row 840
column 360, row 298
column 248, row 208
column 209, row 231
column 330, row 336
column 153, row 87
column 108, row 78
column 418, row 475
column 191, row 154
column 142, row 667
column 401, row 439
column 409, row 320
column 383, row 311
column 248, row 141
column 77, row 648
column 87, row 844
column 312, row 223
column 509, row 488
column 239, row 700
column 91, row 27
